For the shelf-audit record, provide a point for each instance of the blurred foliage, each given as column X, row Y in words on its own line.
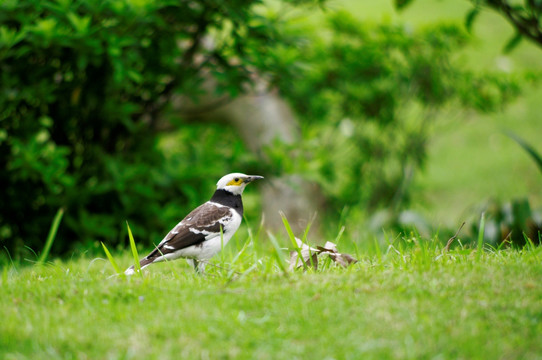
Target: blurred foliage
column 367, row 95
column 524, row 16
column 511, row 223
column 83, row 85
column 515, row 222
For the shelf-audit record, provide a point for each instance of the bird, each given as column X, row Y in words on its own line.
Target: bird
column 206, row 229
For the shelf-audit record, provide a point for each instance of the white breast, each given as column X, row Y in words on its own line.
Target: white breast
column 214, row 242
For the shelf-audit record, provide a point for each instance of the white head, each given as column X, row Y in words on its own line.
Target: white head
column 236, row 182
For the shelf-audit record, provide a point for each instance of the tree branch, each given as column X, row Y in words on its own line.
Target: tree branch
column 153, row 108
column 526, row 26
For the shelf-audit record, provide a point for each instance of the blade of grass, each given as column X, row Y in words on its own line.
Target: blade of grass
column 304, row 239
column 378, row 250
column 481, row 230
column 221, row 246
column 248, row 271
column 250, row 241
column 5, row 275
column 112, row 260
column 260, row 227
column 169, row 264
column 528, row 242
column 249, row 228
column 51, row 236
column 137, row 265
column 292, row 238
column 276, row 253
column 288, row 228
column 33, row 252
column 245, row 246
column 10, row 258
column 308, row 227
column 339, row 235
column 534, row 251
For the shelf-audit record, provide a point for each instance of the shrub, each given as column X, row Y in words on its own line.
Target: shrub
column 82, row 86
column 368, row 95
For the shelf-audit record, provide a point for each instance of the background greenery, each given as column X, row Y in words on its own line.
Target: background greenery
column 84, row 86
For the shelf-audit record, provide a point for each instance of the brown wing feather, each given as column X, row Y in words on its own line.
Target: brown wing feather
column 205, row 218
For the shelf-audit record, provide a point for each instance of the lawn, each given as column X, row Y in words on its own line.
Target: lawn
column 408, row 300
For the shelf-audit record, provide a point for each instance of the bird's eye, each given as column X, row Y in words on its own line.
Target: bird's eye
column 236, row 179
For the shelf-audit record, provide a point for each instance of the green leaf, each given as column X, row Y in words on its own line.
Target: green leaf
column 471, row 16
column 528, row 148
column 512, row 43
column 80, row 24
column 3, row 135
column 135, row 76
column 402, row 4
column 9, row 37
column 45, row 26
column 521, row 212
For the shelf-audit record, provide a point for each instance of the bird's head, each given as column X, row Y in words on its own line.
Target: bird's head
column 236, row 182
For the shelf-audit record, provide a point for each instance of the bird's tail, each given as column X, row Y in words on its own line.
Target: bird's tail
column 142, row 264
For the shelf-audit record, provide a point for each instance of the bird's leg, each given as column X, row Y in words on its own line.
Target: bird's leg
column 192, row 263
column 200, row 267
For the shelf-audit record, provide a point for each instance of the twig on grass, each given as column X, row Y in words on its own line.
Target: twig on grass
column 451, row 240
column 222, row 268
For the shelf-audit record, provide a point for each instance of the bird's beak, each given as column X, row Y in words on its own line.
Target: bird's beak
column 251, row 178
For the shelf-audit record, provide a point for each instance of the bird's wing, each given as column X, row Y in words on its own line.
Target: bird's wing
column 202, row 223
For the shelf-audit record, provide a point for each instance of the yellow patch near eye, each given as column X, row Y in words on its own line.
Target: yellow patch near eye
column 236, row 181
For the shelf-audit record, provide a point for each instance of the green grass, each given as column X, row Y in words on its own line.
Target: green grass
column 51, row 236
column 407, row 300
column 137, row 266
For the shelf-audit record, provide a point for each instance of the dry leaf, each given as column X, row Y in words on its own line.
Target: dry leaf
column 342, row 259
column 307, row 252
column 328, row 247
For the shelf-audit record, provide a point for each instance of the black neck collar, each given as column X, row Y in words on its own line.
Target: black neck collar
column 226, row 198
